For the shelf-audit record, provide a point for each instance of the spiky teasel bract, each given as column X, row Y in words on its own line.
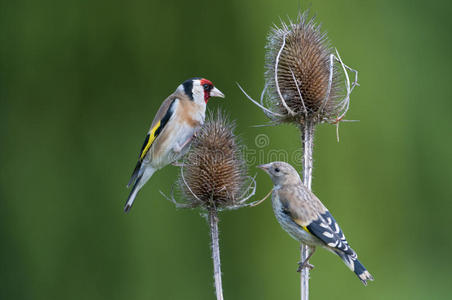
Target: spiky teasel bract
column 214, row 172
column 304, row 79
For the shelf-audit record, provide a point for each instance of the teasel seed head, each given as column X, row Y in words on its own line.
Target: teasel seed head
column 214, row 173
column 302, row 70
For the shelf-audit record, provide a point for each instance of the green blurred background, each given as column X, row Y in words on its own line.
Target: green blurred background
column 80, row 82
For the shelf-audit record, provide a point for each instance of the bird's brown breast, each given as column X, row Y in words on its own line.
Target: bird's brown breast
column 190, row 112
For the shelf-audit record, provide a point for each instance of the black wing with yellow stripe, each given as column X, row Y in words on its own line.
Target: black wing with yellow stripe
column 149, row 140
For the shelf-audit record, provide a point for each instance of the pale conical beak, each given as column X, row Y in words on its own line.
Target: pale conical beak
column 264, row 167
column 216, row 93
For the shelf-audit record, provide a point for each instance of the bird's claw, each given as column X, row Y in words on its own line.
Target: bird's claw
column 304, row 264
column 177, row 148
column 177, row 164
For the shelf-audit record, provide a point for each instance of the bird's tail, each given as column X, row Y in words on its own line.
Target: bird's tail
column 356, row 266
column 139, row 182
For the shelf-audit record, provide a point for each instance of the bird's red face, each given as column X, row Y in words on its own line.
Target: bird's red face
column 210, row 90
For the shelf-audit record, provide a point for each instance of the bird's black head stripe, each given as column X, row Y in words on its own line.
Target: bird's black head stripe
column 188, row 87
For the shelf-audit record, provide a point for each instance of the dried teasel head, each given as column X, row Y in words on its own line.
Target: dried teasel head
column 214, row 173
column 305, row 81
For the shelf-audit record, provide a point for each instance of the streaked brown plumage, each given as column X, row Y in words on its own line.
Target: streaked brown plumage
column 302, row 215
column 306, row 210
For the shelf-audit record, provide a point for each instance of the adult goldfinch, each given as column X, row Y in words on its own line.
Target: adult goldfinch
column 176, row 121
column 306, row 219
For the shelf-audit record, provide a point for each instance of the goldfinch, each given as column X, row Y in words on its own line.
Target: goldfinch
column 176, row 121
column 306, row 219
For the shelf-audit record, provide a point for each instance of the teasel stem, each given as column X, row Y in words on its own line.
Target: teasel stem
column 213, row 222
column 307, row 140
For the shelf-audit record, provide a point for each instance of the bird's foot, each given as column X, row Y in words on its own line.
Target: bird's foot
column 177, row 164
column 177, row 148
column 304, row 264
column 186, row 142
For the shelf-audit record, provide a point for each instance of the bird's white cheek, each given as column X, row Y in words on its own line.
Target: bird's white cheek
column 198, row 95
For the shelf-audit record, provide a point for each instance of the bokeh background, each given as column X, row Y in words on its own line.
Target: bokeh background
column 80, row 83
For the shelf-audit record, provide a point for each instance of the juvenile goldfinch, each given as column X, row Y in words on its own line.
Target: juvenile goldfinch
column 176, row 121
column 306, row 219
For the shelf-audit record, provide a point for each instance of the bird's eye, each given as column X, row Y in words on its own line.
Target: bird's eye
column 277, row 170
column 206, row 86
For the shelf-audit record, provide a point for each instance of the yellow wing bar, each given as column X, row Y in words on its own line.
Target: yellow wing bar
column 152, row 137
column 298, row 221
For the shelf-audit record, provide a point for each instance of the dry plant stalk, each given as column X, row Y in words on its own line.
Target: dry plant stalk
column 306, row 83
column 214, row 178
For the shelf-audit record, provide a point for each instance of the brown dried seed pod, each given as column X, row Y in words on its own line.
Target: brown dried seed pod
column 214, row 171
column 301, row 55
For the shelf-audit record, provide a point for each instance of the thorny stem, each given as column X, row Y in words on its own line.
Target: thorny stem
column 307, row 139
column 213, row 222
